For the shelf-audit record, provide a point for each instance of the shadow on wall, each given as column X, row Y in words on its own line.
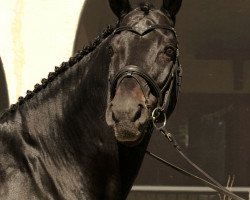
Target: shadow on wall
column 95, row 16
column 4, row 100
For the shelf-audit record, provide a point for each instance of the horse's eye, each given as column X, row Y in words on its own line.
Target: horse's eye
column 169, row 51
column 110, row 50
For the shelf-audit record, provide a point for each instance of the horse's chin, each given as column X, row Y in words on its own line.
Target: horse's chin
column 131, row 141
column 128, row 135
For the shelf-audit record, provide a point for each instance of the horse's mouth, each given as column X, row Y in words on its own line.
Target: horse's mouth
column 128, row 134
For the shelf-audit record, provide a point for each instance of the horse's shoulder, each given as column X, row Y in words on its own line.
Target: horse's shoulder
column 14, row 183
column 9, row 141
column 8, row 163
column 10, row 174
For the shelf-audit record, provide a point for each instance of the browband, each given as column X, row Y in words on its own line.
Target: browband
column 144, row 32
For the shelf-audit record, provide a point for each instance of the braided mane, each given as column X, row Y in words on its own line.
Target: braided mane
column 59, row 70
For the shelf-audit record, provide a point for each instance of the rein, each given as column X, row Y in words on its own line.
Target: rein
column 210, row 182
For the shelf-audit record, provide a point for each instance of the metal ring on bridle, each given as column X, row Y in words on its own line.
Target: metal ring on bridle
column 155, row 114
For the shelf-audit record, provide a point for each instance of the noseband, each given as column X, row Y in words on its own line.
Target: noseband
column 173, row 80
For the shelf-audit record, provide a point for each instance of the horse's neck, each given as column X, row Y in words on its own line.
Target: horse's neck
column 62, row 117
column 63, row 134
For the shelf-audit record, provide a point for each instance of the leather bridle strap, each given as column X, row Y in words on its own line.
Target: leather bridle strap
column 149, row 29
column 211, row 183
column 130, row 71
column 162, row 95
column 133, row 71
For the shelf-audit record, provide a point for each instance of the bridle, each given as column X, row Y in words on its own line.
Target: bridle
column 166, row 101
column 172, row 82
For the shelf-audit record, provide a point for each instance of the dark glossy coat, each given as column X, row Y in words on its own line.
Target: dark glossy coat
column 55, row 143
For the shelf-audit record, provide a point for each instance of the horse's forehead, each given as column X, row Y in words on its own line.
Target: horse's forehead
column 143, row 25
column 140, row 20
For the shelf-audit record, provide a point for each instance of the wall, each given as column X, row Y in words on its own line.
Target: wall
column 35, row 36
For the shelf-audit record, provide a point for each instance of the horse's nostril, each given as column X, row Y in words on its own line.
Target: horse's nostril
column 137, row 114
column 114, row 118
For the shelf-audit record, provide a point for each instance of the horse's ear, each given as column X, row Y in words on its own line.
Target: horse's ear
column 172, row 6
column 120, row 7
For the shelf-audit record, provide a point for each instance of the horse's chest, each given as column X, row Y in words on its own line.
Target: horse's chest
column 76, row 184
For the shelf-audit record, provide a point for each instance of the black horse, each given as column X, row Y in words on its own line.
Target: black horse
column 81, row 134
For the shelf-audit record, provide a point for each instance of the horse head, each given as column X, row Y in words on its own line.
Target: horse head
column 144, row 68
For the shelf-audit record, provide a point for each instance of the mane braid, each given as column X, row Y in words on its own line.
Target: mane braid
column 59, row 70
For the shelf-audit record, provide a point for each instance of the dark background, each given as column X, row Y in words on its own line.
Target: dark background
column 4, row 101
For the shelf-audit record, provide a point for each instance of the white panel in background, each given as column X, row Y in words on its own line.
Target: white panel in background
column 35, row 36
